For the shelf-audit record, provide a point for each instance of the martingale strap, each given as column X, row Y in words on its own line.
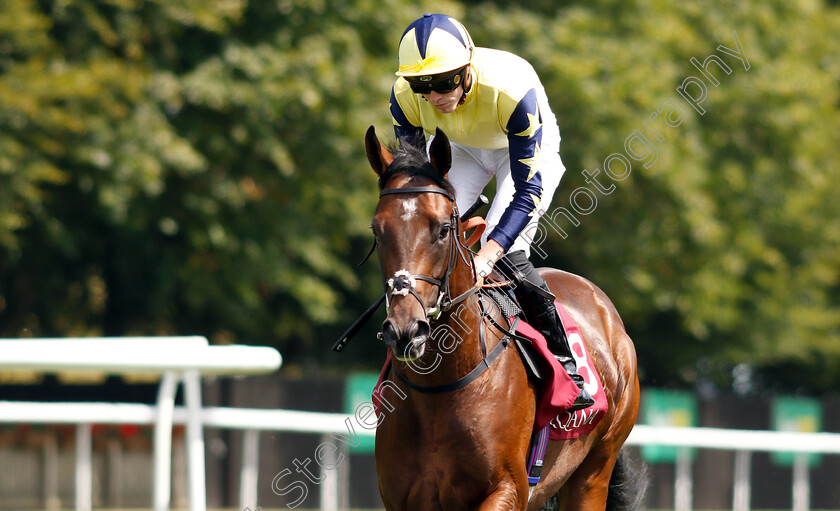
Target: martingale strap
column 370, row 253
column 465, row 380
column 486, row 361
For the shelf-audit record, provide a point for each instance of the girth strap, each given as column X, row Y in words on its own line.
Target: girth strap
column 539, row 443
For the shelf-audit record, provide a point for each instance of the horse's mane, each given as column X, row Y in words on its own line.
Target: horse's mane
column 410, row 160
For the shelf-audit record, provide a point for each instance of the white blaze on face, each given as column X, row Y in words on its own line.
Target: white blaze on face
column 409, row 209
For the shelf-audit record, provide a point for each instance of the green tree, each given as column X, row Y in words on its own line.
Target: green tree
column 197, row 168
column 185, row 168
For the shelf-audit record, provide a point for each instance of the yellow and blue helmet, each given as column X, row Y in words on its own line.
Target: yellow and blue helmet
column 434, row 44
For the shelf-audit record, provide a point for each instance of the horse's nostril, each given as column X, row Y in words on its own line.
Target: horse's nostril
column 389, row 333
column 421, row 331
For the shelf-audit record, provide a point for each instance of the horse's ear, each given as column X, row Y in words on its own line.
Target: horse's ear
column 440, row 154
column 378, row 156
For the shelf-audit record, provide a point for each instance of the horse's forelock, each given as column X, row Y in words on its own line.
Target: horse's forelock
column 411, row 161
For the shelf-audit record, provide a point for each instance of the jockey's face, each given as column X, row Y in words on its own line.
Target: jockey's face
column 446, row 103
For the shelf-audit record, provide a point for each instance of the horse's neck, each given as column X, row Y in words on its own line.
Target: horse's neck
column 456, row 338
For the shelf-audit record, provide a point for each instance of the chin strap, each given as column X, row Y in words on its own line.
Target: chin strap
column 467, row 89
column 464, row 95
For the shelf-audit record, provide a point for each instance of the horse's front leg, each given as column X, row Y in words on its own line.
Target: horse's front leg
column 507, row 497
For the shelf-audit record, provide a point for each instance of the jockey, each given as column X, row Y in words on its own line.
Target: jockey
column 495, row 111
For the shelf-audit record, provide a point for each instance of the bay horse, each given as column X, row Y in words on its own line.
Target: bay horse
column 458, row 437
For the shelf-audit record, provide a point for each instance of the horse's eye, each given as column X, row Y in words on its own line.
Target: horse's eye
column 444, row 231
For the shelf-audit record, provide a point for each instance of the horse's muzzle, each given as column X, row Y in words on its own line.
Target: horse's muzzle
column 408, row 343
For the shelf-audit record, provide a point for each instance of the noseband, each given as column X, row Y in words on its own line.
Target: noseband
column 402, row 282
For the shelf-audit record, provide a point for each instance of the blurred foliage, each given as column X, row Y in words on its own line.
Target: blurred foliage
column 197, row 167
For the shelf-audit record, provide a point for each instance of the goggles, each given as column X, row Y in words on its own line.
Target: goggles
column 442, row 83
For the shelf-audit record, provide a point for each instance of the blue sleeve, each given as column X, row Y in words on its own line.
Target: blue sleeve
column 403, row 129
column 524, row 138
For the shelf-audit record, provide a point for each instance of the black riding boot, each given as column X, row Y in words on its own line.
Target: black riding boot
column 541, row 313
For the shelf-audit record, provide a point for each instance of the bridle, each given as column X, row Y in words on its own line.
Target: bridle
column 402, row 282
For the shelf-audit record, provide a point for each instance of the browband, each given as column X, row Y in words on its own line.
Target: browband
column 419, row 189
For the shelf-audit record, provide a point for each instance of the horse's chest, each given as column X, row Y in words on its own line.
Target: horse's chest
column 451, row 452
column 443, row 482
column 441, row 471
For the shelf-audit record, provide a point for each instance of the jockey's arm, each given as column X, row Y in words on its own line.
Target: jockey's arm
column 524, row 136
column 403, row 129
column 524, row 133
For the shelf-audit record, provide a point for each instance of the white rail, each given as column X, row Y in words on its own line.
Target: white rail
column 175, row 359
column 743, row 442
column 736, row 439
column 184, row 359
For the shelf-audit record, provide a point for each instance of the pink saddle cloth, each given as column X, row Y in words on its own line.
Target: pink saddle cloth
column 558, row 391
